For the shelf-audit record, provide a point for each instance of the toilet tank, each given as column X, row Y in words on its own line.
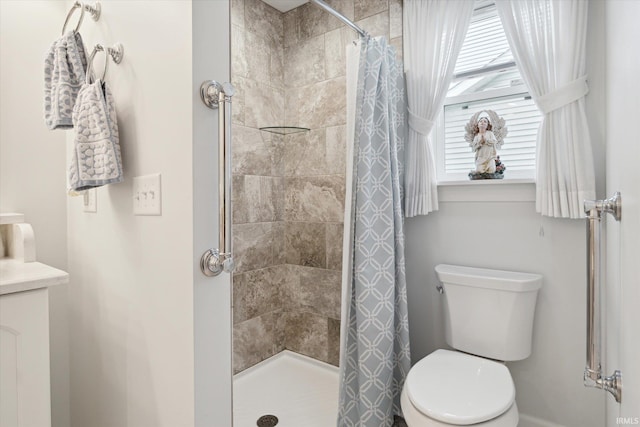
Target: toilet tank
column 489, row 313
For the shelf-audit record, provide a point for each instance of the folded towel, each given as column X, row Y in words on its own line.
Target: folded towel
column 64, row 73
column 96, row 159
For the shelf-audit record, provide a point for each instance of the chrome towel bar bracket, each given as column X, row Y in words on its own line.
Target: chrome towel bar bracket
column 216, row 96
column 593, row 371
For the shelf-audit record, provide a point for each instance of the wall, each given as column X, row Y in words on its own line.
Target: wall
column 137, row 304
column 211, row 295
column 32, row 163
column 620, row 287
column 258, row 185
column 512, row 236
column 134, row 278
column 131, row 291
column 289, row 69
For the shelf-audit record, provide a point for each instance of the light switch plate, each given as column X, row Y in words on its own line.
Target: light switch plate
column 90, row 200
column 147, row 195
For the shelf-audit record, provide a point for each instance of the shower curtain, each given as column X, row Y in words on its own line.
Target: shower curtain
column 375, row 355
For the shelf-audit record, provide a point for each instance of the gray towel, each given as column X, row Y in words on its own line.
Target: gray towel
column 96, row 159
column 64, row 73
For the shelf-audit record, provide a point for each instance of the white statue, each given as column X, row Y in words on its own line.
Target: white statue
column 485, row 134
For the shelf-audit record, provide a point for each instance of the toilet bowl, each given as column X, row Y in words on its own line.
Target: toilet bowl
column 488, row 319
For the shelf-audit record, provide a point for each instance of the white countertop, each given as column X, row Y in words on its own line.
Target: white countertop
column 18, row 276
column 11, row 218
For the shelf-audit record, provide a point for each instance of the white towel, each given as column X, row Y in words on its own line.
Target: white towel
column 96, row 159
column 65, row 69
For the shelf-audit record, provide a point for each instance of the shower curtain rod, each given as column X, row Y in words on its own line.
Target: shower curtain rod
column 321, row 4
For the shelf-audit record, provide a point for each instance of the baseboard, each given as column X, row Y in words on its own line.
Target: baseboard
column 531, row 421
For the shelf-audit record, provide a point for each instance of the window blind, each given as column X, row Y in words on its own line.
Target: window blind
column 485, row 43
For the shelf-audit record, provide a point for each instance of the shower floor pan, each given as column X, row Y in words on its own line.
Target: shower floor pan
column 300, row 391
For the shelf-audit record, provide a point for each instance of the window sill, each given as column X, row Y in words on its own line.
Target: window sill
column 487, row 190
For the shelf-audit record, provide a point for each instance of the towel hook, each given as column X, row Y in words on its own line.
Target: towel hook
column 116, row 52
column 93, row 10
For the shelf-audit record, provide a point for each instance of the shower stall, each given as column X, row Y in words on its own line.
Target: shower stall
column 288, row 179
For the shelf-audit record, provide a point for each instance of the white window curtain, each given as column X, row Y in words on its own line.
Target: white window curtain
column 434, row 31
column 547, row 38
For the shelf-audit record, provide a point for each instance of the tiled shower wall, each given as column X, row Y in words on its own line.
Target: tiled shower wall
column 289, row 69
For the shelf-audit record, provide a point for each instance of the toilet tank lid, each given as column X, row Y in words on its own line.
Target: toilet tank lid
column 487, row 278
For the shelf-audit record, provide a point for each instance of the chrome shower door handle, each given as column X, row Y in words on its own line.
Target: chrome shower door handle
column 593, row 370
column 218, row 96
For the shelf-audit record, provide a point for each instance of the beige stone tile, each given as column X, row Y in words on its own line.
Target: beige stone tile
column 256, row 293
column 289, row 285
column 323, row 104
column 314, row 199
column 295, row 147
column 333, row 338
column 252, row 151
column 237, row 12
column 278, row 253
column 305, row 62
column 397, row 44
column 257, row 199
column 395, row 18
column 258, row 58
column 366, row 8
column 258, row 245
column 336, row 43
column 277, row 67
column 237, row 109
column 277, row 196
column 305, row 154
column 312, row 22
column 345, row 7
column 376, row 25
column 319, row 291
column 276, row 147
column 239, row 206
column 335, row 233
column 336, row 150
column 306, row 333
column 239, row 64
column 305, row 244
column 257, row 339
column 291, row 107
column 291, row 36
column 263, row 105
column 262, row 19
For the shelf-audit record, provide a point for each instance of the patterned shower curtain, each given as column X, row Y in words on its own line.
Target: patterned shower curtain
column 375, row 338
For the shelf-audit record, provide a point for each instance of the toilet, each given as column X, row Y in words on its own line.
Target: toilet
column 488, row 320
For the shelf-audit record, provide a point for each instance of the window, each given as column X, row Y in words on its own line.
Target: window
column 486, row 78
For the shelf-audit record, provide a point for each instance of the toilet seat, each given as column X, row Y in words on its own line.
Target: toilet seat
column 459, row 389
column 415, row 418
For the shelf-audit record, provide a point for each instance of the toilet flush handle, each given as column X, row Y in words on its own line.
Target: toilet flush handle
column 440, row 288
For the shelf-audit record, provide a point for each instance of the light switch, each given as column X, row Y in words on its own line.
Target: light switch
column 90, row 200
column 147, row 195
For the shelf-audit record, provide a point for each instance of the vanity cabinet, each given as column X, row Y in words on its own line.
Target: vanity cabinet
column 24, row 328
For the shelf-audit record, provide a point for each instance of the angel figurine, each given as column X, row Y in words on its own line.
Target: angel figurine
column 485, row 134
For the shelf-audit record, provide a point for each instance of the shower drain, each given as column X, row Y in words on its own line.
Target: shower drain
column 267, row 421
